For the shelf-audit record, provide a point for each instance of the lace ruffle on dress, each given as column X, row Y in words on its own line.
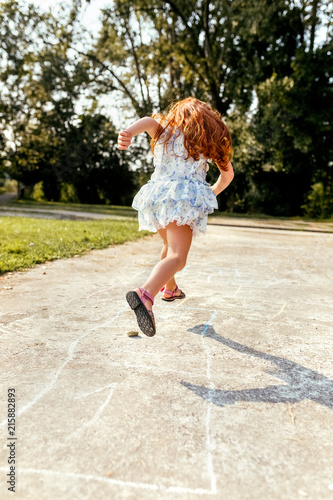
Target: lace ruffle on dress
column 177, row 190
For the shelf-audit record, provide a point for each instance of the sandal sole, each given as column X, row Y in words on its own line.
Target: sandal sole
column 143, row 317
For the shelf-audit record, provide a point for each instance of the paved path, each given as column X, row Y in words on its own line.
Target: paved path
column 266, row 223
column 231, row 400
column 42, row 213
column 7, row 198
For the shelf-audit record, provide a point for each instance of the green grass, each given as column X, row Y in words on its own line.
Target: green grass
column 25, row 242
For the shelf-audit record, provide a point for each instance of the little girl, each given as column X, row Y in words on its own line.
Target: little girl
column 177, row 199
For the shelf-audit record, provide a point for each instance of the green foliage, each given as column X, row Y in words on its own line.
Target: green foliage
column 68, row 193
column 318, row 204
column 10, row 186
column 257, row 63
column 294, row 122
column 38, row 193
column 260, row 64
column 49, row 141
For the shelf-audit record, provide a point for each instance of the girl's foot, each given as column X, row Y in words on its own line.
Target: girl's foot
column 171, row 295
column 147, row 303
column 141, row 302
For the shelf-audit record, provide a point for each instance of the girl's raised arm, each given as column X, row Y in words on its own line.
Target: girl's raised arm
column 143, row 125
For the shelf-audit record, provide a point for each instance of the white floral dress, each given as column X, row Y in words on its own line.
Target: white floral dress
column 177, row 190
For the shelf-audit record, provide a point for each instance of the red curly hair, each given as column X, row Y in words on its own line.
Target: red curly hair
column 204, row 131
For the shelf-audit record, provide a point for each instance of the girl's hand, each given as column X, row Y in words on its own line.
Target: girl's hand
column 124, row 139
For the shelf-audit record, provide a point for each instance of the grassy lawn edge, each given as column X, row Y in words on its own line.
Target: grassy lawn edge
column 26, row 242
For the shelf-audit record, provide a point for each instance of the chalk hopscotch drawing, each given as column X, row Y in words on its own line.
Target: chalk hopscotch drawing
column 302, row 383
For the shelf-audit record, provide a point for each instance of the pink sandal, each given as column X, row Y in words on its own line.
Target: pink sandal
column 145, row 318
column 173, row 294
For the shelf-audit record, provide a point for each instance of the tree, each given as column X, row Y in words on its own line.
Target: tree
column 260, row 64
column 294, row 122
column 43, row 81
column 235, row 55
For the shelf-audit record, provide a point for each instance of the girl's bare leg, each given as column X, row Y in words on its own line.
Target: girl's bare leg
column 179, row 239
column 171, row 284
column 163, row 235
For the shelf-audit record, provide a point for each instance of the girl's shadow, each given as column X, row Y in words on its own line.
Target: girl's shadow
column 302, row 383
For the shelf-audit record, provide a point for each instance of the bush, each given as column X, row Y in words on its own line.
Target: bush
column 68, row 193
column 38, row 192
column 10, row 186
column 319, row 202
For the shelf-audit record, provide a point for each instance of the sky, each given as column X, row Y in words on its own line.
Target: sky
column 91, row 11
column 90, row 19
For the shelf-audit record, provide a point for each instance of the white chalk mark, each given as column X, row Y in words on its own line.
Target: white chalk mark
column 93, row 392
column 181, row 303
column 209, row 322
column 234, row 295
column 237, row 273
column 210, row 465
column 271, row 283
column 70, row 354
column 65, row 474
column 43, row 392
column 97, row 414
column 101, row 408
column 99, row 291
column 281, row 310
column 108, row 322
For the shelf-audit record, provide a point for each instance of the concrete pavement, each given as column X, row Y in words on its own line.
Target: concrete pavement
column 232, row 399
